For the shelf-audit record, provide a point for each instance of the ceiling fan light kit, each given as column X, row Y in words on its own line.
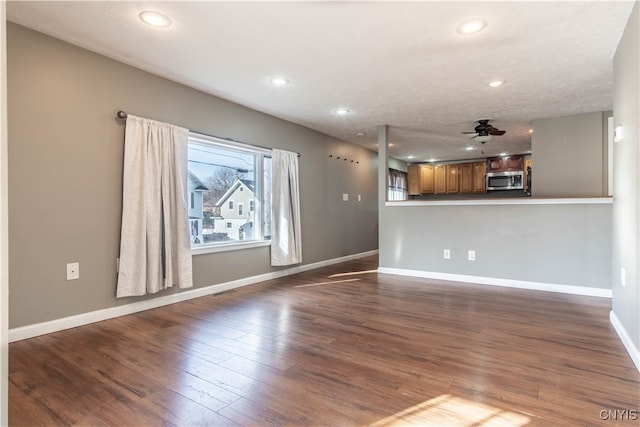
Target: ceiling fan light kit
column 483, row 131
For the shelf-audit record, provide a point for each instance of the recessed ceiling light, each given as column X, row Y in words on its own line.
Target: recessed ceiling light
column 411, row 156
column 497, row 83
column 279, row 81
column 154, row 19
column 341, row 111
column 361, row 134
column 472, row 26
column 432, row 159
column 530, row 130
column 503, row 154
column 470, row 148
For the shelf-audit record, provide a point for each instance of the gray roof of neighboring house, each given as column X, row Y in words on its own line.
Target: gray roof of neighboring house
column 195, row 183
column 249, row 184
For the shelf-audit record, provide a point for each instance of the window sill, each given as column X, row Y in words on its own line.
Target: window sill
column 224, row 247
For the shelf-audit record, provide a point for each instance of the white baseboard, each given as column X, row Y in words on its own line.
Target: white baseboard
column 493, row 281
column 30, row 331
column 633, row 351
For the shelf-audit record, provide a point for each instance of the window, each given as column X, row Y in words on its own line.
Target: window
column 233, row 175
column 397, row 185
column 193, row 200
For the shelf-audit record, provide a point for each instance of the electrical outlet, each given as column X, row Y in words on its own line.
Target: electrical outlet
column 623, row 276
column 345, row 197
column 447, row 254
column 472, row 255
column 359, row 197
column 73, row 271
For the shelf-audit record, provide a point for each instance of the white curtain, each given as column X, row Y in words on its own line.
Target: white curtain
column 286, row 240
column 155, row 251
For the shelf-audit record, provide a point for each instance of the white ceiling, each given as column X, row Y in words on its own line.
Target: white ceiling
column 397, row 63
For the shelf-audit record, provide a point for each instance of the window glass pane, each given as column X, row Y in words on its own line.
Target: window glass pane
column 220, row 179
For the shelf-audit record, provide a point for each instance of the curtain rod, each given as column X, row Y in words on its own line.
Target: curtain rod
column 123, row 115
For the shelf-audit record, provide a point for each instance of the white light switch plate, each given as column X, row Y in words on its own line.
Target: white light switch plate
column 472, row 255
column 345, row 197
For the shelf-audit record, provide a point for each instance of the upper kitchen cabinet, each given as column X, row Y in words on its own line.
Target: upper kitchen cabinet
column 479, row 177
column 466, row 177
column 420, row 179
column 453, row 178
column 505, row 163
column 440, row 179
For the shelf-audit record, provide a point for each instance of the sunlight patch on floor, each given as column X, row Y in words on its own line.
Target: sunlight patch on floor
column 352, row 273
column 451, row 411
column 326, row 283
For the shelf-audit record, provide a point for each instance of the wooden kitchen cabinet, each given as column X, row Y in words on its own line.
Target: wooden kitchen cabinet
column 420, row 180
column 505, row 163
column 453, row 178
column 439, row 179
column 466, row 177
column 514, row 163
column 479, row 177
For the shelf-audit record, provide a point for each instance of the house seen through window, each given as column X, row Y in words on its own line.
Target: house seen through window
column 224, row 177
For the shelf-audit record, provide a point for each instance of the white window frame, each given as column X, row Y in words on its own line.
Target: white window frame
column 258, row 218
column 240, row 208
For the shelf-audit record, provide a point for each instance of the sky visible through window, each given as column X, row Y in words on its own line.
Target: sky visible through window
column 205, row 159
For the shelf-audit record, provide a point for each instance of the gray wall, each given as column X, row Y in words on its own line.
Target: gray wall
column 558, row 244
column 397, row 164
column 66, row 154
column 568, row 155
column 4, row 259
column 626, row 180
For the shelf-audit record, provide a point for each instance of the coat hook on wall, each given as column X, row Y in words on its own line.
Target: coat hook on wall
column 344, row 158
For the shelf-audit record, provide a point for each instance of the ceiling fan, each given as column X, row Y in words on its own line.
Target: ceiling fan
column 484, row 131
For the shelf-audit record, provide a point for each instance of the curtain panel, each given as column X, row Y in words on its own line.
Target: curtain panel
column 286, row 237
column 155, row 251
column 397, row 185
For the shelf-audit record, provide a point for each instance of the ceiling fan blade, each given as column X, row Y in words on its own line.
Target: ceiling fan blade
column 469, row 133
column 495, row 131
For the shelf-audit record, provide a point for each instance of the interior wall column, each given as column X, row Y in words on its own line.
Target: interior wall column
column 383, row 165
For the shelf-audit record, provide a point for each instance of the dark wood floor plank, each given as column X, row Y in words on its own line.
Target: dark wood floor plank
column 336, row 346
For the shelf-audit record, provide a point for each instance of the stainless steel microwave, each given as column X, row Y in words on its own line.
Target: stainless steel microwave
column 511, row 180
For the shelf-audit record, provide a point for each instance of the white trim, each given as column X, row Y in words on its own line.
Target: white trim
column 222, row 247
column 495, row 281
column 514, row 201
column 633, row 351
column 30, row 331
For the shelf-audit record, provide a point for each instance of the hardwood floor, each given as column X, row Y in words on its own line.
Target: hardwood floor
column 326, row 348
